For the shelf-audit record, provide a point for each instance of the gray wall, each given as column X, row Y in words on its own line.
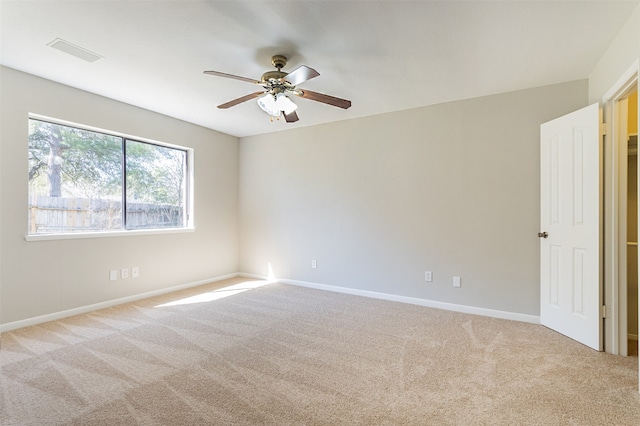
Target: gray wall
column 620, row 55
column 450, row 188
column 46, row 277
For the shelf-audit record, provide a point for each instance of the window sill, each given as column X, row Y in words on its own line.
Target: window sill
column 106, row 234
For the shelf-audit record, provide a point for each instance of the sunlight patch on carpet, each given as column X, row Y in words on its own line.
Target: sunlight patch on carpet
column 220, row 293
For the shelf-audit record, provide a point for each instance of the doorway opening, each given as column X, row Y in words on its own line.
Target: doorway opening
column 627, row 132
column 632, row 245
column 621, row 215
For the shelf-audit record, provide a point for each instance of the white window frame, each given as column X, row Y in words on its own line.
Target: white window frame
column 190, row 222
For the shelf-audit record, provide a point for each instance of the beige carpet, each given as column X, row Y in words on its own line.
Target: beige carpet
column 282, row 355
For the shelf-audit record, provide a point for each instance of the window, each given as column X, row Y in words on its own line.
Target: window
column 82, row 180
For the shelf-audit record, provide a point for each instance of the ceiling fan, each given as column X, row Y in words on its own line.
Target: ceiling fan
column 277, row 85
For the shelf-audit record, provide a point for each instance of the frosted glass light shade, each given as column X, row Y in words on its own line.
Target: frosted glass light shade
column 274, row 105
column 268, row 105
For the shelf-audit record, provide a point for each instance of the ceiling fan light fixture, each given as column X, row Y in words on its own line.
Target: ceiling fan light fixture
column 274, row 105
column 268, row 104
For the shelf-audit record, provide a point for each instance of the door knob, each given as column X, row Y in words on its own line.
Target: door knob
column 542, row 235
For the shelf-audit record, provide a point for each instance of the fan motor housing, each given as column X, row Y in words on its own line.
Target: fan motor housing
column 272, row 75
column 279, row 62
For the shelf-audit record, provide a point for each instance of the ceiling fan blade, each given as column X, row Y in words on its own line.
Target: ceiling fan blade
column 235, row 77
column 300, row 75
column 291, row 117
column 326, row 99
column 240, row 100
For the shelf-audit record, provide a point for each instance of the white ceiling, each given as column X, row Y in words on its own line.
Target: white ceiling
column 382, row 55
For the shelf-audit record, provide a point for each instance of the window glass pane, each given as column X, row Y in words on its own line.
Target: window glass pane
column 156, row 186
column 75, row 179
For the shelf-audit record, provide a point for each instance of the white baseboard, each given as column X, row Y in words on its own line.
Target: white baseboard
column 84, row 309
column 514, row 316
column 533, row 319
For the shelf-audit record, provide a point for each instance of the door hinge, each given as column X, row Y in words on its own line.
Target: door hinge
column 605, row 311
column 604, row 129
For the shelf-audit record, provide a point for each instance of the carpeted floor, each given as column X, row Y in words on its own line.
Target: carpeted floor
column 281, row 355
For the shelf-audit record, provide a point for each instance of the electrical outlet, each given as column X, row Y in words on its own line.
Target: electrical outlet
column 456, row 281
column 113, row 274
column 428, row 276
column 124, row 273
column 135, row 272
column 314, row 264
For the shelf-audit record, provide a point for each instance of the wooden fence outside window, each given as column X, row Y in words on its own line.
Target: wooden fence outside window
column 66, row 214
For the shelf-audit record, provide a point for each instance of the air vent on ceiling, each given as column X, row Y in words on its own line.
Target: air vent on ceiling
column 72, row 49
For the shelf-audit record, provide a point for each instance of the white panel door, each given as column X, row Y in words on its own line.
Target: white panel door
column 570, row 289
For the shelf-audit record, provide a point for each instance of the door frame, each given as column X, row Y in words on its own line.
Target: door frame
column 615, row 219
